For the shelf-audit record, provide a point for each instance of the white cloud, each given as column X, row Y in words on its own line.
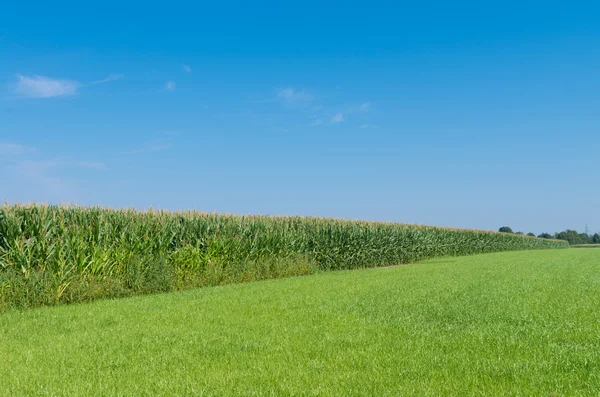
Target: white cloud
column 291, row 96
column 337, row 118
column 110, row 77
column 169, row 86
column 45, row 87
column 186, row 68
column 365, row 106
column 14, row 149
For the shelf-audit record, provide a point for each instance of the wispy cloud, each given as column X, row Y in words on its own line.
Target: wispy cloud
column 82, row 164
column 47, row 176
column 337, row 118
column 38, row 167
column 351, row 111
column 34, row 173
column 37, row 86
column 14, row 149
column 45, row 87
column 110, row 77
column 21, row 152
column 159, row 147
column 162, row 141
column 319, row 110
column 169, row 86
column 50, row 177
column 290, row 95
column 186, row 68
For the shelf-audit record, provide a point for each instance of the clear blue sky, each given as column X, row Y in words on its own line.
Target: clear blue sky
column 466, row 114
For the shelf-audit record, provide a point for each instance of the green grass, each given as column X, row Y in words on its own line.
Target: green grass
column 517, row 323
column 51, row 254
column 586, row 246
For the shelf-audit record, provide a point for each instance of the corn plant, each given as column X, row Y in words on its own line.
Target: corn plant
column 73, row 248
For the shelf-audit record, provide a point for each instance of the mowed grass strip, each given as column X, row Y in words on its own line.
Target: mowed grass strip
column 517, row 323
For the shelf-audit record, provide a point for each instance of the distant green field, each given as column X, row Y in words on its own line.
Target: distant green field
column 517, row 323
column 586, row 246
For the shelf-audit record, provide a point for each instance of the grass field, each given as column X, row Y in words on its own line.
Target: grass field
column 516, row 323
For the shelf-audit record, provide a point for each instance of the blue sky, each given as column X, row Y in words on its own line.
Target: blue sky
column 459, row 114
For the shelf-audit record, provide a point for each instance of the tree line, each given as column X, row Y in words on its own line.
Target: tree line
column 572, row 236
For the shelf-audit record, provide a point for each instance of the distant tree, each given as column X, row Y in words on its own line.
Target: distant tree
column 520, row 233
column 505, row 229
column 546, row 235
column 569, row 235
column 573, row 237
column 596, row 239
column 585, row 238
column 531, row 234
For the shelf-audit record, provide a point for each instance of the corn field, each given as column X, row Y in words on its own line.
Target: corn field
column 52, row 254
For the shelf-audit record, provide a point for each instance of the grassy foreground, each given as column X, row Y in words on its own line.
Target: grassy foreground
column 517, row 323
column 53, row 254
